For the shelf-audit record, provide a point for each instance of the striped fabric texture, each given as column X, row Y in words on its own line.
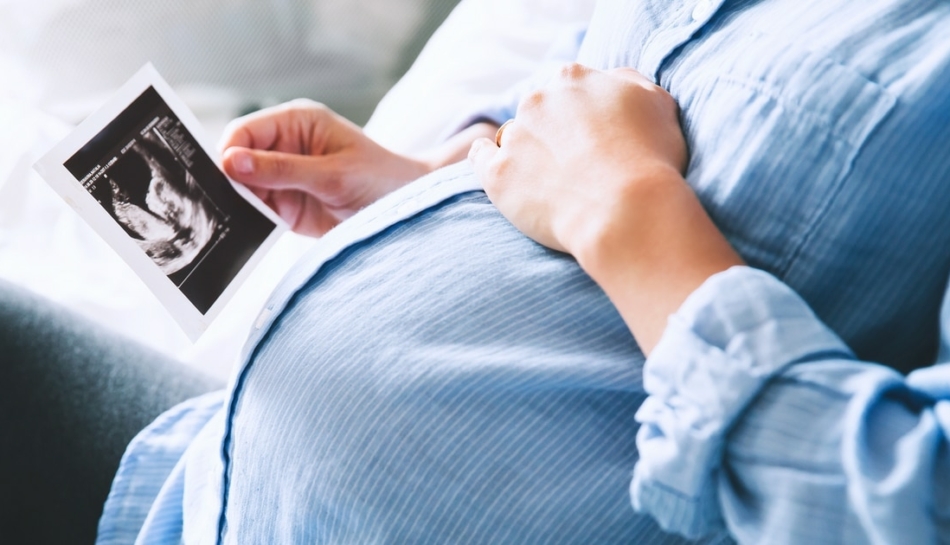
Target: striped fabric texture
column 761, row 419
column 429, row 375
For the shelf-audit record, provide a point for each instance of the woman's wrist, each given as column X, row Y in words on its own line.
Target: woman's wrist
column 403, row 169
column 455, row 148
column 650, row 249
column 603, row 240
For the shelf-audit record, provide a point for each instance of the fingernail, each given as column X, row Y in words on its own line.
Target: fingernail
column 243, row 162
column 476, row 145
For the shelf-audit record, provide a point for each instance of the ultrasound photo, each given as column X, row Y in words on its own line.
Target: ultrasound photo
column 153, row 178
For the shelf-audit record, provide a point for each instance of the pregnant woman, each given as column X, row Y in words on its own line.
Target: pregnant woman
column 429, row 374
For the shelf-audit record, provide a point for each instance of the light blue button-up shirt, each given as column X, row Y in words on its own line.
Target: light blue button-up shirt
column 761, row 419
column 430, row 375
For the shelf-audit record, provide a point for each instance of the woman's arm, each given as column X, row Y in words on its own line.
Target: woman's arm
column 315, row 168
column 592, row 166
column 759, row 418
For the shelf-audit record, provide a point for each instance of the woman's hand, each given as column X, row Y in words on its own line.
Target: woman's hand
column 592, row 166
column 315, row 168
column 575, row 148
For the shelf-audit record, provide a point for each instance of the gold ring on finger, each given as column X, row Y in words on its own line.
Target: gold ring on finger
column 500, row 131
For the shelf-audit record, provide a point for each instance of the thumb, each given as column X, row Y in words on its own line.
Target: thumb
column 274, row 169
column 482, row 154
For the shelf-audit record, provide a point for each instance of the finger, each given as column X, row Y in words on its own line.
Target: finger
column 263, row 129
column 501, row 131
column 632, row 76
column 482, row 154
column 277, row 170
column 256, row 130
column 626, row 72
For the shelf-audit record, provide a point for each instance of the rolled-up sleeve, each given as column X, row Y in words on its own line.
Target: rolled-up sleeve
column 760, row 420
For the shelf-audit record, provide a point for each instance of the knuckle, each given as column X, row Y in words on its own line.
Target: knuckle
column 573, row 71
column 281, row 168
column 301, row 105
column 319, row 112
column 496, row 170
column 665, row 99
column 233, row 126
column 236, row 133
column 333, row 184
column 532, row 101
column 230, row 132
column 629, row 74
column 332, row 179
column 298, row 103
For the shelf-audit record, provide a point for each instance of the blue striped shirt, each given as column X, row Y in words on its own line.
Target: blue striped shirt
column 761, row 419
column 430, row 375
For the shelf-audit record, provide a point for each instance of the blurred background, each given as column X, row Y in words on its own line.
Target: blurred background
column 223, row 56
column 62, row 59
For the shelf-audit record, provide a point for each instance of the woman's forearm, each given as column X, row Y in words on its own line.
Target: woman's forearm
column 761, row 419
column 651, row 250
column 592, row 166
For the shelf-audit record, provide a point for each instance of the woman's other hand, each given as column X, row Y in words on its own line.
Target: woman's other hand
column 312, row 166
column 592, row 165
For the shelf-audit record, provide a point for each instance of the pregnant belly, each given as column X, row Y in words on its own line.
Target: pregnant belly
column 447, row 381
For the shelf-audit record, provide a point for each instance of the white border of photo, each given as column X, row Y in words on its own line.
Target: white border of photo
column 51, row 168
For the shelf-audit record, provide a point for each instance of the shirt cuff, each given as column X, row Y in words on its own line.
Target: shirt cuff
column 734, row 333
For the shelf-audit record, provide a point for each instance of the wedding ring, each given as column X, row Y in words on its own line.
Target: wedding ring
column 501, row 130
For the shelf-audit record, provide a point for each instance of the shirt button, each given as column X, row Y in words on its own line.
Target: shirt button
column 263, row 317
column 702, row 10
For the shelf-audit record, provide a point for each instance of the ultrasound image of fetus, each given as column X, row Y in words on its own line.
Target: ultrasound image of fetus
column 159, row 204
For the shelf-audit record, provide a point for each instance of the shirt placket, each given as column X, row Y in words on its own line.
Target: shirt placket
column 679, row 27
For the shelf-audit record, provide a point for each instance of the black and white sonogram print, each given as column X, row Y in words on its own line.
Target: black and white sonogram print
column 159, row 204
column 149, row 173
